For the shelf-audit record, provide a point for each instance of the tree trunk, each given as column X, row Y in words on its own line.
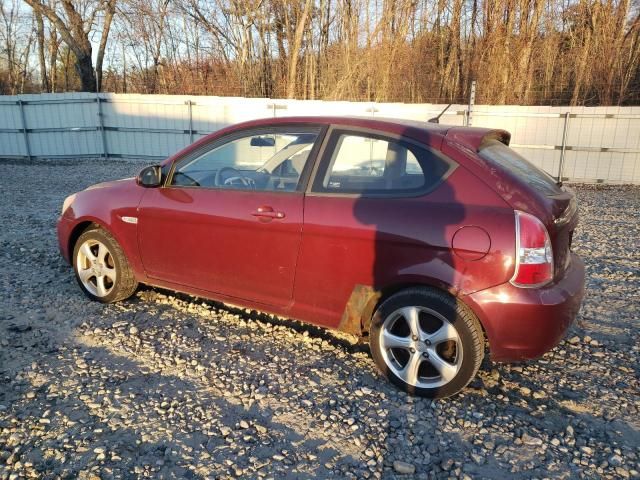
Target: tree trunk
column 54, row 46
column 451, row 79
column 294, row 51
column 23, row 70
column 581, row 68
column 108, row 17
column 44, row 80
column 84, row 68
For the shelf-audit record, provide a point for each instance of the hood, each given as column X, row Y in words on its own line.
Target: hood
column 111, row 183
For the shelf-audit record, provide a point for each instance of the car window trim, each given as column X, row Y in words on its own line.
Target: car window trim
column 321, row 128
column 324, row 159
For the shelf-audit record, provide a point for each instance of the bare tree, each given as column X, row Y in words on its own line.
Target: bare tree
column 74, row 26
column 146, row 25
column 300, row 18
column 519, row 51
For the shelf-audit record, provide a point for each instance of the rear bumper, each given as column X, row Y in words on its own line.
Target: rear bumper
column 525, row 323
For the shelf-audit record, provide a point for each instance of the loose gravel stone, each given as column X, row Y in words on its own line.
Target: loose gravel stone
column 170, row 386
column 530, row 440
column 403, row 467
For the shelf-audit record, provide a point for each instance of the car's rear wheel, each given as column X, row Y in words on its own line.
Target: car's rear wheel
column 426, row 342
column 101, row 268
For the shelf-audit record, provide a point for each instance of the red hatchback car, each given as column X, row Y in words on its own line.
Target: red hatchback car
column 428, row 239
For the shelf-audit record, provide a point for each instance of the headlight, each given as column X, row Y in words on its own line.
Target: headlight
column 67, row 202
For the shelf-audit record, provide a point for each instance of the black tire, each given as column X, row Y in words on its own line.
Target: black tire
column 469, row 336
column 125, row 283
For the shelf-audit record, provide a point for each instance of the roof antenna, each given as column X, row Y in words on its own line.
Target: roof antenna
column 437, row 119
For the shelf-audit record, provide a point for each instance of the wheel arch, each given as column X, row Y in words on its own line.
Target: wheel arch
column 82, row 226
column 78, row 230
column 123, row 278
column 376, row 297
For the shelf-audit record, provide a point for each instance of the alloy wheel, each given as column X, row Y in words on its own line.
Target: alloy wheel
column 421, row 347
column 96, row 268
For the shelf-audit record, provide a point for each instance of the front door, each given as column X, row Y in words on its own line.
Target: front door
column 230, row 218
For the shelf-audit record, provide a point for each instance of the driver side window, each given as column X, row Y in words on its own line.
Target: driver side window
column 267, row 161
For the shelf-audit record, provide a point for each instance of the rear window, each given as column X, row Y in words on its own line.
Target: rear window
column 497, row 153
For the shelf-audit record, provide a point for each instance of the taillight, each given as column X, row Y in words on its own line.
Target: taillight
column 534, row 255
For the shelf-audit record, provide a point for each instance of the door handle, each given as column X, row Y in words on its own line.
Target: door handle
column 267, row 212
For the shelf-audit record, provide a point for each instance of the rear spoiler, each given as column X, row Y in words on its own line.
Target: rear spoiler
column 476, row 138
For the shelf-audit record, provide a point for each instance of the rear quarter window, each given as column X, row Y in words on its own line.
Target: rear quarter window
column 505, row 158
column 372, row 164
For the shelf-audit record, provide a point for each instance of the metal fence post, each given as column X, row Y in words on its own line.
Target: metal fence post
column 25, row 133
column 189, row 104
column 274, row 106
column 563, row 149
column 101, row 129
column 372, row 109
column 472, row 101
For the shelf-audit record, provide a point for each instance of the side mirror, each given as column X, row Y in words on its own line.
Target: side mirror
column 150, row 177
column 263, row 141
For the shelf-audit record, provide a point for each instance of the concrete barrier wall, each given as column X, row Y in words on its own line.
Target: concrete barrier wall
column 592, row 144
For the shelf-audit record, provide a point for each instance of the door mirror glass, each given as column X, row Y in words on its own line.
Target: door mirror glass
column 150, row 176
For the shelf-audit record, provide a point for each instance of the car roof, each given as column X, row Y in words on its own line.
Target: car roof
column 428, row 133
column 377, row 123
column 348, row 119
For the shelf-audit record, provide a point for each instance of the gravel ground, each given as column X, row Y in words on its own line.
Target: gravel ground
column 170, row 386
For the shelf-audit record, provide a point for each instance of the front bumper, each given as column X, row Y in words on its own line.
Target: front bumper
column 64, row 227
column 523, row 323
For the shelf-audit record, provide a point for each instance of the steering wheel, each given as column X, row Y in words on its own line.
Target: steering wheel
column 236, row 178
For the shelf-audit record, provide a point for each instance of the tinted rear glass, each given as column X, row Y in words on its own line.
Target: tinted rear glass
column 500, row 155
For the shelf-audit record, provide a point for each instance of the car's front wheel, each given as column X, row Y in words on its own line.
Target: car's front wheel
column 426, row 342
column 101, row 268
